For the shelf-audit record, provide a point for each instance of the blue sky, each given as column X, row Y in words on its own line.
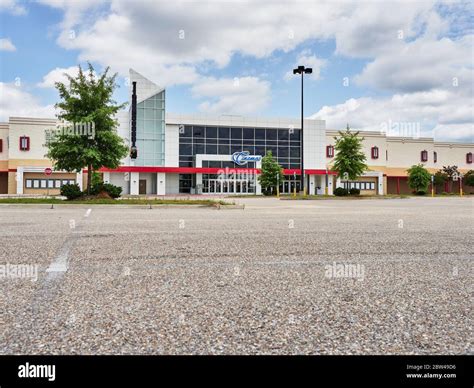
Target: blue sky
column 374, row 62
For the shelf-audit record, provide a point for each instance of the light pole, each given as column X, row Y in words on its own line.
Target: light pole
column 278, row 184
column 302, row 70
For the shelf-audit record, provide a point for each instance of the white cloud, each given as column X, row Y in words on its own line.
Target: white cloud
column 58, row 75
column 232, row 96
column 12, row 6
column 438, row 113
column 413, row 50
column 307, row 59
column 6, row 45
column 14, row 101
column 420, row 65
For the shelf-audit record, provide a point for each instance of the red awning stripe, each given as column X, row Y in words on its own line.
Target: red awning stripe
column 206, row 170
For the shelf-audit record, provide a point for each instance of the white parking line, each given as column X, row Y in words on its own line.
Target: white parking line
column 88, row 212
column 60, row 263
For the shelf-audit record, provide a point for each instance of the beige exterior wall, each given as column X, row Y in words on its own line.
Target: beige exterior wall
column 4, row 138
column 397, row 154
column 12, row 183
column 35, row 129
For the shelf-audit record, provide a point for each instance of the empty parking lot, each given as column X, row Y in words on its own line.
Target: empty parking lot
column 383, row 276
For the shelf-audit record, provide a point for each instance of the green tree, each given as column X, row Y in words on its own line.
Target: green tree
column 87, row 98
column 349, row 161
column 452, row 173
column 469, row 178
column 419, row 178
column 439, row 178
column 271, row 173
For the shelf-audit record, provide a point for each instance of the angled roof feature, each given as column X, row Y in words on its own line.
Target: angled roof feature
column 145, row 88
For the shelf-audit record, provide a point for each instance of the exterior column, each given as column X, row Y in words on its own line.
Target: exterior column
column 258, row 187
column 380, row 183
column 79, row 178
column 330, row 185
column 134, row 182
column 198, row 187
column 398, row 185
column 160, row 183
column 313, row 184
column 19, row 180
column 106, row 177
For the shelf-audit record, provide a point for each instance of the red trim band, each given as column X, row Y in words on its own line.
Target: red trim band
column 205, row 170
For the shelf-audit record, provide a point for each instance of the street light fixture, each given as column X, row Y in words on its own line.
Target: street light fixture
column 302, row 70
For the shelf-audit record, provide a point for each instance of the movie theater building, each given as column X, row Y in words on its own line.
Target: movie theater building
column 218, row 155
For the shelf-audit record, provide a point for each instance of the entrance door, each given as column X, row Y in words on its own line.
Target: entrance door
column 142, row 186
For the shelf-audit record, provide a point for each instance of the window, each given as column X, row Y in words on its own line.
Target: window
column 198, row 132
column 284, row 134
column 424, row 156
column 224, row 133
column 359, row 185
column 211, row 149
column 236, row 134
column 36, row 184
column 259, row 134
column 329, row 151
column 469, row 158
column 211, row 132
column 57, row 184
column 43, row 183
column 435, row 156
column 374, row 152
column 272, row 134
column 248, row 134
column 50, row 183
column 29, row 183
column 24, row 143
column 64, row 182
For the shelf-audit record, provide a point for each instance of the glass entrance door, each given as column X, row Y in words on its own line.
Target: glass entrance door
column 231, row 186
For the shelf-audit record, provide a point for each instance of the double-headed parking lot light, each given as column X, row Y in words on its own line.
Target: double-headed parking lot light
column 302, row 70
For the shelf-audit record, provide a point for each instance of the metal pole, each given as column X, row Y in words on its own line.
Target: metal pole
column 302, row 144
column 326, row 183
column 278, row 185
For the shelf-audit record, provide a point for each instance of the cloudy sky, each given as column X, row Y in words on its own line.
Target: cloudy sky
column 375, row 63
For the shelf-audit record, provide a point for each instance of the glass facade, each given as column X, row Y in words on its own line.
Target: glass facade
column 151, row 131
column 283, row 142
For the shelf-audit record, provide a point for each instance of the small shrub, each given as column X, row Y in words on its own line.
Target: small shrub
column 96, row 188
column 420, row 192
column 340, row 192
column 354, row 191
column 112, row 190
column 71, row 191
